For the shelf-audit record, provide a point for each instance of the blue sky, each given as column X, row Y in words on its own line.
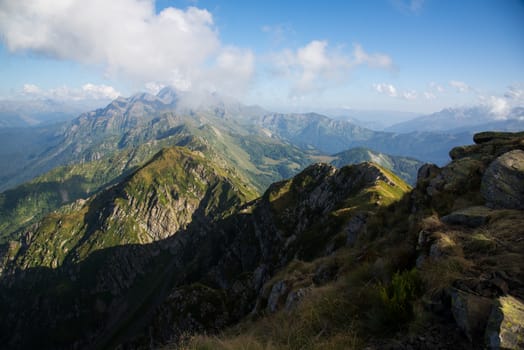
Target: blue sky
column 408, row 55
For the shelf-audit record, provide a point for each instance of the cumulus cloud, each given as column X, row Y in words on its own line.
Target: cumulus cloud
column 176, row 47
column 386, row 89
column 501, row 106
column 98, row 92
column 497, row 106
column 85, row 92
column 391, row 91
column 315, row 66
column 460, row 86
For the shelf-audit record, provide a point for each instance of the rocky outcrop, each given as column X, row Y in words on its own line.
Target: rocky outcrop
column 470, row 312
column 475, row 242
column 505, row 325
column 503, row 181
column 471, row 216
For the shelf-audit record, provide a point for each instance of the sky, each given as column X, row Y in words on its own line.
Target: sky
column 404, row 55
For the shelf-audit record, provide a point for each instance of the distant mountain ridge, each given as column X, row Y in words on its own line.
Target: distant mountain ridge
column 315, row 131
column 234, row 130
column 471, row 119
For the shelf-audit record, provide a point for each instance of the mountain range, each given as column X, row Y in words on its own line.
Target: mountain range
column 157, row 121
column 184, row 220
column 473, row 119
column 183, row 246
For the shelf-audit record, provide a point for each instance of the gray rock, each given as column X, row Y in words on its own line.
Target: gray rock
column 427, row 171
column 471, row 313
column 278, row 291
column 505, row 328
column 503, row 182
column 472, row 216
column 487, row 136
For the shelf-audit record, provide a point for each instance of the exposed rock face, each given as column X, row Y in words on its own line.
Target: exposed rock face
column 503, row 181
column 505, row 329
column 471, row 216
column 483, row 137
column 478, row 229
column 470, row 312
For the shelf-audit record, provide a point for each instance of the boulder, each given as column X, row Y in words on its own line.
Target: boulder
column 471, row 313
column 502, row 185
column 505, row 328
column 472, row 216
column 483, row 137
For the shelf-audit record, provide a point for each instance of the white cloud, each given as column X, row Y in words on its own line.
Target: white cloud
column 515, row 93
column 30, row 89
column 376, row 60
column 501, row 106
column 498, row 106
column 391, row 91
column 315, row 66
column 154, row 87
column 127, row 37
column 85, row 92
column 98, row 92
column 387, row 89
column 460, row 86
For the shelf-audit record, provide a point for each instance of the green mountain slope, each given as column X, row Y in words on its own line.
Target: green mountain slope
column 256, row 159
column 102, row 250
column 439, row 269
column 173, row 225
column 404, row 167
column 331, row 258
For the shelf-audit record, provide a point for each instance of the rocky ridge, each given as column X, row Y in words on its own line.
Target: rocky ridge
column 455, row 242
column 172, row 238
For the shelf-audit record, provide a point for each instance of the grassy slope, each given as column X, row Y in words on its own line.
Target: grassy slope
column 404, row 167
column 335, row 315
column 256, row 160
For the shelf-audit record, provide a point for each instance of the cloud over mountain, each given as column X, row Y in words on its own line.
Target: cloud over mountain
column 129, row 39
